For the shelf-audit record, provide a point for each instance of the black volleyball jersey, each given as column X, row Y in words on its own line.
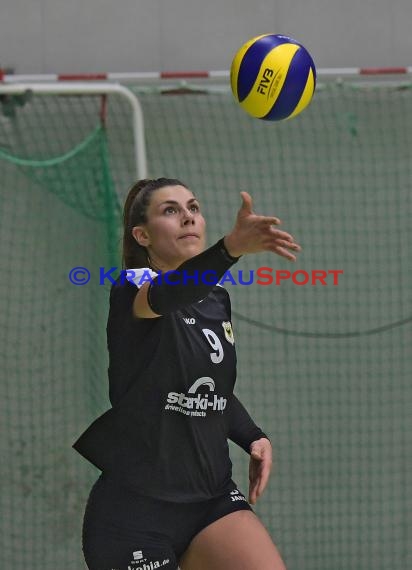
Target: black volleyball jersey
column 171, row 380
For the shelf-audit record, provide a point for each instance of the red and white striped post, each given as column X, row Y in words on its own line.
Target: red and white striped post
column 184, row 75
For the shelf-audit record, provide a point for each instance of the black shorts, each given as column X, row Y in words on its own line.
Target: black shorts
column 125, row 531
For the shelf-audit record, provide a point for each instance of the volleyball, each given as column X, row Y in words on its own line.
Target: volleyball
column 273, row 77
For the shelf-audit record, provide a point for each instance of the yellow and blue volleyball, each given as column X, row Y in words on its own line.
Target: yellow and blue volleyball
column 273, row 77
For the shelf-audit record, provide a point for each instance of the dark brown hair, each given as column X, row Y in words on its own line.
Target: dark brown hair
column 135, row 213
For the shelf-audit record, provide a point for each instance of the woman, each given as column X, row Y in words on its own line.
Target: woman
column 165, row 497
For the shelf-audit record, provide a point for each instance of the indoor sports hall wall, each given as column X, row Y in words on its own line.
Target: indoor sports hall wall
column 57, row 36
column 325, row 369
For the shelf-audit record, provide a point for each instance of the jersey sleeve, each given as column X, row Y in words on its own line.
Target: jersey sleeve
column 241, row 429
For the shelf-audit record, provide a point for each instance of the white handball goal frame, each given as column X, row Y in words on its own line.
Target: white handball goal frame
column 92, row 88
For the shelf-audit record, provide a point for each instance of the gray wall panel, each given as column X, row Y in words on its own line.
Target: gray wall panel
column 21, row 34
column 46, row 36
column 206, row 35
column 82, row 37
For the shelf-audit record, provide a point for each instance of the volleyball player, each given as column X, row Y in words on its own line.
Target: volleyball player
column 165, row 496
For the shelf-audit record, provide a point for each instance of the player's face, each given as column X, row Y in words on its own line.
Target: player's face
column 175, row 228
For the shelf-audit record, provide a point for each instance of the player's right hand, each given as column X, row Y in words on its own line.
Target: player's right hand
column 253, row 234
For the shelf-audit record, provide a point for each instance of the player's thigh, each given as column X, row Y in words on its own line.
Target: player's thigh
column 121, row 531
column 237, row 541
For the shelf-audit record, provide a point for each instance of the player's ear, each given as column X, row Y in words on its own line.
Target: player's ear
column 141, row 236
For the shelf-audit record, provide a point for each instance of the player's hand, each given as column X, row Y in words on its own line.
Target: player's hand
column 254, row 234
column 260, row 467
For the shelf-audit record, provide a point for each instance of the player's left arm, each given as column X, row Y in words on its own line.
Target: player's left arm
column 243, row 431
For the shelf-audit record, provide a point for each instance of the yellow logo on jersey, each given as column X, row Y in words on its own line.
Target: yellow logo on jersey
column 227, row 327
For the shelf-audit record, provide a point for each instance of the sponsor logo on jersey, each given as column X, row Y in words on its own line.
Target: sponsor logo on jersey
column 236, row 495
column 189, row 321
column 192, row 404
column 227, row 327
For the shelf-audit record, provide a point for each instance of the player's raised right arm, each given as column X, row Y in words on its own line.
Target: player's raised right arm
column 251, row 234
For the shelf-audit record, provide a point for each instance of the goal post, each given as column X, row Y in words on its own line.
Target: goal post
column 65, row 151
